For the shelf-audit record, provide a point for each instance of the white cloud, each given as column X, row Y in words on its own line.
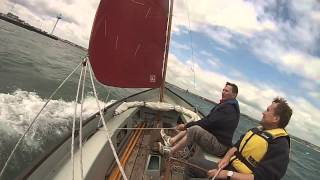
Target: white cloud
column 215, row 63
column 180, row 46
column 236, row 15
column 220, row 19
column 291, row 48
column 291, row 62
column 206, row 53
column 315, row 15
column 77, row 16
column 237, row 74
column 301, row 63
column 221, row 49
column 305, row 120
column 308, row 85
column 315, row 94
column 220, row 35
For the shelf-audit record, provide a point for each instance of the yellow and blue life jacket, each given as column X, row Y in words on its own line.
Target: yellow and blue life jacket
column 253, row 148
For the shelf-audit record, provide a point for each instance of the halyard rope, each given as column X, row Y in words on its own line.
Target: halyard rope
column 33, row 121
column 105, row 127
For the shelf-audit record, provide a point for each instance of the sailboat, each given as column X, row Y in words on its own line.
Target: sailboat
column 128, row 48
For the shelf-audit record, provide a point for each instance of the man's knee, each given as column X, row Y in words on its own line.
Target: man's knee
column 195, row 130
column 194, row 133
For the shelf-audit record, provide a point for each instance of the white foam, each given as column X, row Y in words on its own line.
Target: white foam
column 18, row 109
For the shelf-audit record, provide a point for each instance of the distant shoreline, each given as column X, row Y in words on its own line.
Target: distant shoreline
column 13, row 19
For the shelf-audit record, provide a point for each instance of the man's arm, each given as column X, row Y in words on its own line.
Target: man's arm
column 223, row 113
column 235, row 176
column 226, row 159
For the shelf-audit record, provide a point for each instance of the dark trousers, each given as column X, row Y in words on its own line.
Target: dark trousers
column 192, row 172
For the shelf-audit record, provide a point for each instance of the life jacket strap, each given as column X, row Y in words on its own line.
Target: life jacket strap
column 242, row 159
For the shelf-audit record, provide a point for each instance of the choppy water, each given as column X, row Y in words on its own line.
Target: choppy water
column 32, row 66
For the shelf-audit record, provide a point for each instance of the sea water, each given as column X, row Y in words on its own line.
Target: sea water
column 31, row 68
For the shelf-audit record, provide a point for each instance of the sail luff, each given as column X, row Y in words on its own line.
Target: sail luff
column 167, row 49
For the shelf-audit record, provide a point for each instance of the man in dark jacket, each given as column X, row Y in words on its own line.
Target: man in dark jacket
column 212, row 133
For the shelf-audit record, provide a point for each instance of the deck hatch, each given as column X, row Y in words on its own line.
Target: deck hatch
column 153, row 165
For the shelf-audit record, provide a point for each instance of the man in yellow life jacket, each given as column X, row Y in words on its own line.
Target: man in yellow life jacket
column 260, row 154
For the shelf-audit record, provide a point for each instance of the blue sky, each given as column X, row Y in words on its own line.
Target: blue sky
column 240, row 58
column 269, row 48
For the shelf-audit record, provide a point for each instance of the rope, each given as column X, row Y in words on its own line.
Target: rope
column 190, row 164
column 214, row 177
column 80, row 124
column 106, row 129
column 148, row 128
column 34, row 120
column 74, row 122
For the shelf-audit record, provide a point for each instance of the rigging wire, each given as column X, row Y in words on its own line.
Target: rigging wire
column 191, row 45
column 107, row 98
column 74, row 122
column 34, row 120
column 81, row 117
column 105, row 127
column 106, row 101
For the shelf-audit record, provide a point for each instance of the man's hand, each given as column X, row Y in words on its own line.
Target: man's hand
column 222, row 174
column 181, row 127
column 226, row 159
column 223, row 162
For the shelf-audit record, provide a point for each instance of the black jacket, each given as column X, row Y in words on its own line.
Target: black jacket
column 222, row 121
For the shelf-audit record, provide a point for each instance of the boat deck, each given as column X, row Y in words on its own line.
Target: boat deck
column 140, row 164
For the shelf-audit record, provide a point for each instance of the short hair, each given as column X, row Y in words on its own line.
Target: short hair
column 282, row 110
column 234, row 87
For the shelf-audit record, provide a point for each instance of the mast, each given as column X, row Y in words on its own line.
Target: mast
column 58, row 18
column 166, row 50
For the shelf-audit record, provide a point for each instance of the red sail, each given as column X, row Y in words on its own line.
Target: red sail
column 128, row 41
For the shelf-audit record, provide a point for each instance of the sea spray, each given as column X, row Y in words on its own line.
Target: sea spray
column 18, row 109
